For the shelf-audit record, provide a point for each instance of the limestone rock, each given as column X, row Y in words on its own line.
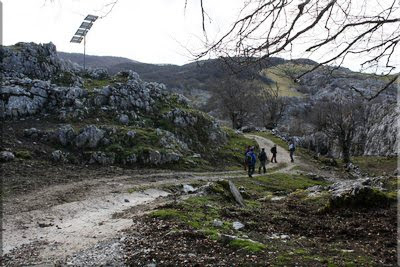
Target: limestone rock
column 124, row 119
column 65, row 135
column 102, row 158
column 90, row 136
column 59, row 156
column 236, row 194
column 237, row 225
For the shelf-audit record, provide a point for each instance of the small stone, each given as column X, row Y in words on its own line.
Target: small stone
column 126, row 200
column 131, row 134
column 124, row 119
column 217, row 223
column 237, row 225
column 188, row 189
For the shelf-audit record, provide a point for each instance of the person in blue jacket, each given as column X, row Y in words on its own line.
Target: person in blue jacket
column 251, row 161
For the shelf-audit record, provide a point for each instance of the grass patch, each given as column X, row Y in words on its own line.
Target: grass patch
column 249, row 245
column 284, row 76
column 91, row 84
column 376, row 165
column 286, row 183
column 23, row 154
column 166, row 214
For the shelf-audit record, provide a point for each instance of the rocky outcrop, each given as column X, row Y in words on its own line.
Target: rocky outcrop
column 33, row 61
column 106, row 119
column 381, row 135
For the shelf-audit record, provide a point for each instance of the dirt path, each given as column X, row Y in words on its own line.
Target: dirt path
column 61, row 220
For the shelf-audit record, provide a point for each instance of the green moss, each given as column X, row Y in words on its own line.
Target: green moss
column 23, row 154
column 286, row 183
column 166, row 214
column 248, row 245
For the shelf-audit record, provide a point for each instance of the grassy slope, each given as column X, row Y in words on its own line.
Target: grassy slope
column 284, row 76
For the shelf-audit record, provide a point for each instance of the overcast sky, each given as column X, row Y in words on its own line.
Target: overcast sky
column 150, row 31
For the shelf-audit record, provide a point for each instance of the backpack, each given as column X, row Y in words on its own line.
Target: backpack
column 249, row 159
column 292, row 147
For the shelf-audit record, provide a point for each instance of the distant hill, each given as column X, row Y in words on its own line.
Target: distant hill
column 95, row 61
column 196, row 75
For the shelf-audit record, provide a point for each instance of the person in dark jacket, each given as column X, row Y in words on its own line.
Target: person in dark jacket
column 274, row 151
column 251, row 161
column 262, row 157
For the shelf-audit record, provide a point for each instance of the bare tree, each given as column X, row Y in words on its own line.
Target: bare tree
column 339, row 119
column 236, row 100
column 271, row 106
column 334, row 29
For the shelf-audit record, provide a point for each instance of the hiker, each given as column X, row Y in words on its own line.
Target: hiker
column 262, row 157
column 251, row 161
column 245, row 159
column 274, row 151
column 292, row 148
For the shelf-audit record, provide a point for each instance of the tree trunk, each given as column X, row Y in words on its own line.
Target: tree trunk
column 346, row 152
column 235, row 121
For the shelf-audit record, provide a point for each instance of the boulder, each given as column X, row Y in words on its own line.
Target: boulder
column 131, row 159
column 59, row 156
column 102, row 158
column 6, row 156
column 90, row 137
column 65, row 135
column 358, row 193
column 32, row 133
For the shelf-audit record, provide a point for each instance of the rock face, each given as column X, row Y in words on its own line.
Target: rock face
column 141, row 122
column 381, row 136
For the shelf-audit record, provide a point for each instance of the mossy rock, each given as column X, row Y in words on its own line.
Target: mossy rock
column 363, row 197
